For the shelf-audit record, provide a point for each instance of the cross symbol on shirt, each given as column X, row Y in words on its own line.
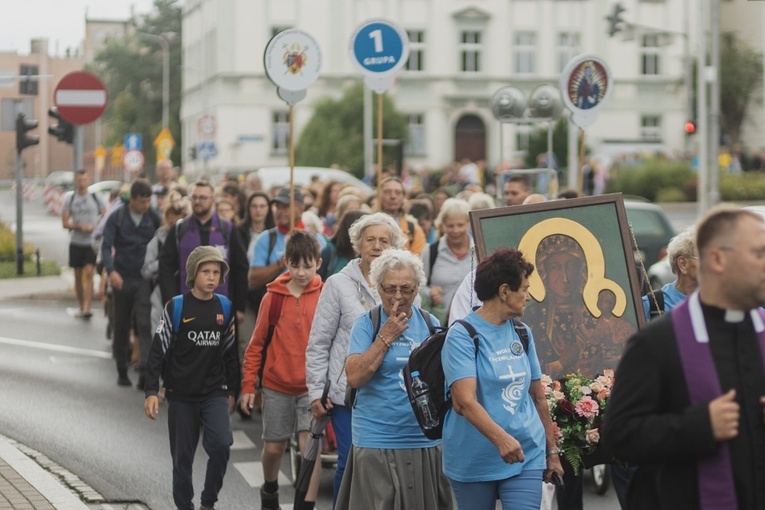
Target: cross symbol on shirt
column 512, row 375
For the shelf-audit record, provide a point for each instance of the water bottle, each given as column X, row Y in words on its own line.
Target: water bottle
column 427, row 411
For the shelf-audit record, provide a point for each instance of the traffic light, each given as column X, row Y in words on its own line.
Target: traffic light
column 690, row 127
column 24, row 140
column 63, row 131
column 615, row 20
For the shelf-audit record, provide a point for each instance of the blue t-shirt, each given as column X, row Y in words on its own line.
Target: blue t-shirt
column 672, row 298
column 503, row 375
column 260, row 257
column 382, row 415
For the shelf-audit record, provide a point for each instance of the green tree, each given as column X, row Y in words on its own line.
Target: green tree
column 740, row 80
column 538, row 144
column 131, row 68
column 335, row 133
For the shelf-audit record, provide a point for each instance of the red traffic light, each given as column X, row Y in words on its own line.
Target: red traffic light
column 690, row 127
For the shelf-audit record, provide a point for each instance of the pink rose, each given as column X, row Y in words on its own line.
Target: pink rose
column 556, row 385
column 557, row 395
column 596, row 386
column 593, row 436
column 603, row 394
column 609, row 373
column 587, row 407
column 546, row 380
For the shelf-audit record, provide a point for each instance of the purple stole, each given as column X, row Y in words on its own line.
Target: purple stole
column 717, row 489
column 192, row 238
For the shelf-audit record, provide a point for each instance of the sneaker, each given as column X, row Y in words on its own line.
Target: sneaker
column 269, row 500
column 206, row 508
column 87, row 314
column 123, row 380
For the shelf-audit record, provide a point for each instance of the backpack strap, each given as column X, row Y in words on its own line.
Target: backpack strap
column 177, row 309
column 523, row 333
column 433, row 256
column 120, row 218
column 656, row 306
column 274, row 312
column 271, row 242
column 226, row 305
column 472, row 332
column 376, row 315
column 427, row 317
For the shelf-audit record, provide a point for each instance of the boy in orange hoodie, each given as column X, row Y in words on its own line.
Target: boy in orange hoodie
column 278, row 363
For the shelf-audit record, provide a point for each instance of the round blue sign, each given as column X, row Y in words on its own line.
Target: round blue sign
column 379, row 47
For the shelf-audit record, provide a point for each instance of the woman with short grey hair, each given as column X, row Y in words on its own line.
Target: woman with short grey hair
column 345, row 296
column 390, row 454
column 684, row 261
column 397, row 237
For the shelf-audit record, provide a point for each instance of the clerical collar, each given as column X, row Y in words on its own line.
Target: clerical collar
column 734, row 316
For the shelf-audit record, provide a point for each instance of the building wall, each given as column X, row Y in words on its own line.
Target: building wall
column 224, row 76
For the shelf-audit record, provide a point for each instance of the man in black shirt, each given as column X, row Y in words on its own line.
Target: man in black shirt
column 195, row 351
column 687, row 406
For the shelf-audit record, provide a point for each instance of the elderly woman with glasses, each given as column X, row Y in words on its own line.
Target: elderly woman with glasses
column 346, row 295
column 392, row 464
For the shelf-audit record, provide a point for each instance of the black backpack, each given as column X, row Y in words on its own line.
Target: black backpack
column 426, row 359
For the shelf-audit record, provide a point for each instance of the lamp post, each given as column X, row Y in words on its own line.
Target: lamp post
column 163, row 42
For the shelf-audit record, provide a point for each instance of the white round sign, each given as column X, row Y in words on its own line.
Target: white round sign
column 585, row 84
column 292, row 60
column 206, row 126
column 133, row 160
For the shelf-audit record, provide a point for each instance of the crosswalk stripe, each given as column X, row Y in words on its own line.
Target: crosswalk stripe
column 241, row 441
column 252, row 472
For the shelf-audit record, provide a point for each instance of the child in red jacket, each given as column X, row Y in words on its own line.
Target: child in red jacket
column 275, row 358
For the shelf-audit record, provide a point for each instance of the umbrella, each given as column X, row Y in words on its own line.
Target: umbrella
column 311, row 451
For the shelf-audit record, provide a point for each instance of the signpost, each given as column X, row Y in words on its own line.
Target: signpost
column 379, row 49
column 132, row 161
column 292, row 60
column 164, row 144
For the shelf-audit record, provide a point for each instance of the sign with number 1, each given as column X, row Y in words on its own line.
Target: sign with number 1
column 379, row 49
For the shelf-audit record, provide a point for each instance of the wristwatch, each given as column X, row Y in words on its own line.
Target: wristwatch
column 552, row 452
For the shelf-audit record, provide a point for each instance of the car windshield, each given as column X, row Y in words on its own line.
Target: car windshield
column 647, row 223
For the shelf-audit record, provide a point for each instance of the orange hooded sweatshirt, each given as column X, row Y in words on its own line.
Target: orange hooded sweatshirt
column 285, row 357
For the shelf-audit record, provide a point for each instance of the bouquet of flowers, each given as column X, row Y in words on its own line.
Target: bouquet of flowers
column 577, row 406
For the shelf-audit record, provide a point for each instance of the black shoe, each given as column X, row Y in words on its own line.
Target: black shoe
column 269, row 500
column 123, row 380
column 140, row 386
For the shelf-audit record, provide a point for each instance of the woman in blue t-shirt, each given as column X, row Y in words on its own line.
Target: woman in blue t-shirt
column 498, row 438
column 391, row 464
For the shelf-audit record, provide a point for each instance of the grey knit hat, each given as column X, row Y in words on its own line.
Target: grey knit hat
column 199, row 256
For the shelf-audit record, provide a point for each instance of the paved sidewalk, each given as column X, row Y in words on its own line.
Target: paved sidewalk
column 39, row 287
column 24, row 485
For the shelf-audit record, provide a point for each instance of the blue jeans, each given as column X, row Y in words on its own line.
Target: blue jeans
column 341, row 423
column 184, row 421
column 520, row 492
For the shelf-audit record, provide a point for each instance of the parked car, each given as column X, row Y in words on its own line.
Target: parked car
column 103, row 188
column 651, row 227
column 274, row 177
column 660, row 274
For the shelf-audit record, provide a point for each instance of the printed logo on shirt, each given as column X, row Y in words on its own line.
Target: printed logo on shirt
column 186, row 321
column 516, row 348
column 160, row 326
column 513, row 392
column 219, row 319
column 205, row 338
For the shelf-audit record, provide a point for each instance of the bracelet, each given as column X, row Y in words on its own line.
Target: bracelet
column 552, row 452
column 387, row 343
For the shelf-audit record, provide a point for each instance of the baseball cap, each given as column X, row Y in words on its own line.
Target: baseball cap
column 199, row 256
column 283, row 197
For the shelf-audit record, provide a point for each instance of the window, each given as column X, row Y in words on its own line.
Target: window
column 650, row 127
column 416, row 60
column 470, row 51
column 650, row 55
column 416, row 145
column 280, row 139
column 27, row 84
column 525, row 44
column 568, row 48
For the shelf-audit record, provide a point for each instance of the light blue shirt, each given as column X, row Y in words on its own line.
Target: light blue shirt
column 503, row 374
column 672, row 298
column 382, row 415
column 260, row 257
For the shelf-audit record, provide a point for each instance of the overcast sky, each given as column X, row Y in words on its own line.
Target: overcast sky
column 61, row 21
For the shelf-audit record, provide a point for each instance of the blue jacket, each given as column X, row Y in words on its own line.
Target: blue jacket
column 129, row 242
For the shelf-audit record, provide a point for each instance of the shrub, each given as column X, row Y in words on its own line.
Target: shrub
column 671, row 195
column 8, row 244
column 652, row 177
column 742, row 187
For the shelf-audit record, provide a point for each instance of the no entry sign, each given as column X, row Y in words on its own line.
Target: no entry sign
column 80, row 97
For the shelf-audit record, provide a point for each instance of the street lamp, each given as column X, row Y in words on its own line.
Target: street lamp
column 163, row 42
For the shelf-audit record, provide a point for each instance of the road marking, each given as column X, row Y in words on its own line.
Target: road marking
column 252, row 472
column 241, row 441
column 55, row 347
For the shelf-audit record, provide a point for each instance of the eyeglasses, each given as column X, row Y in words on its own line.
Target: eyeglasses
column 405, row 291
